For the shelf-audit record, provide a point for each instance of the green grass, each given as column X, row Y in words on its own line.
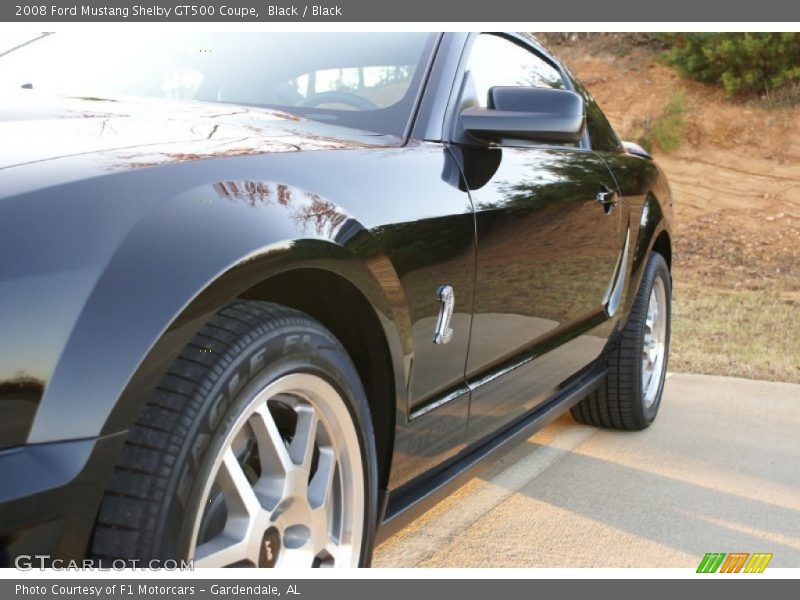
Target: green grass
column 742, row 333
column 666, row 130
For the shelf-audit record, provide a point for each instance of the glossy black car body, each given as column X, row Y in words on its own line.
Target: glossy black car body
column 120, row 242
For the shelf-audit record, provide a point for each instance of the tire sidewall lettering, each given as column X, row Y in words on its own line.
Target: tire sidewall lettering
column 272, row 357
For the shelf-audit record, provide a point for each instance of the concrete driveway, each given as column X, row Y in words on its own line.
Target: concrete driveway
column 719, row 471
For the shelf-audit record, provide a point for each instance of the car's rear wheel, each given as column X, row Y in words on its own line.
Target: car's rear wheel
column 630, row 396
column 256, row 450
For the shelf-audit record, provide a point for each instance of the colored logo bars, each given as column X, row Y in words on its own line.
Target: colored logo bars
column 734, row 562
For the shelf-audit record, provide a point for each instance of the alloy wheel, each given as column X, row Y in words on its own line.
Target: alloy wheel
column 287, row 486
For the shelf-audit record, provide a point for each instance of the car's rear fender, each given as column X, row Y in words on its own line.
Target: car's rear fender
column 654, row 233
column 648, row 198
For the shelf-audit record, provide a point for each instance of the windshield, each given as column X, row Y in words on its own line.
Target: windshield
column 367, row 81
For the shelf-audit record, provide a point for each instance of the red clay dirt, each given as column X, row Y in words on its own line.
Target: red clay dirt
column 735, row 177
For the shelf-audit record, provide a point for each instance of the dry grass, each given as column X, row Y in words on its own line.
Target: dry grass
column 743, row 333
column 737, row 297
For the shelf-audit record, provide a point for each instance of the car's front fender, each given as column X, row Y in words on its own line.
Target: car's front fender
column 180, row 263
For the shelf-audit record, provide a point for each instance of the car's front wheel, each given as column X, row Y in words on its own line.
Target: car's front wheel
column 630, row 396
column 256, row 450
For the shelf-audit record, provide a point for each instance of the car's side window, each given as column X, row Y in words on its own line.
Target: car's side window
column 498, row 61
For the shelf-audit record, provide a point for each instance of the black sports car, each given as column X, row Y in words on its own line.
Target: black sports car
column 266, row 297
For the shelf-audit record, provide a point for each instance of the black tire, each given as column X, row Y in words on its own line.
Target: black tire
column 150, row 506
column 618, row 403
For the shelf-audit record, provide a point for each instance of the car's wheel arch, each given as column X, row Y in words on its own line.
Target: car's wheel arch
column 363, row 322
column 356, row 323
column 652, row 234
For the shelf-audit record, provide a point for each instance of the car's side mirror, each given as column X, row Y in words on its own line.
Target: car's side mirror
column 527, row 113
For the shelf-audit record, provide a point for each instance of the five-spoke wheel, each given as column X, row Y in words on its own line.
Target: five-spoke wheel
column 287, row 488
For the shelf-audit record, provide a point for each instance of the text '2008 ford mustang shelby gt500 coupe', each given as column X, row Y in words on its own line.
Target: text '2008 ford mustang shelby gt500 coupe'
column 266, row 297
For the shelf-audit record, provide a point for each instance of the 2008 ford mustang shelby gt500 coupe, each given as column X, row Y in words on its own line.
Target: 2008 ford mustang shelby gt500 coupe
column 264, row 298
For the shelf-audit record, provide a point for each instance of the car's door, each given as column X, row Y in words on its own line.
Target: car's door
column 432, row 250
column 548, row 250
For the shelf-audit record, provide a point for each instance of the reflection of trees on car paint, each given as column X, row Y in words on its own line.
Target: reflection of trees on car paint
column 19, row 399
column 539, row 253
column 310, row 212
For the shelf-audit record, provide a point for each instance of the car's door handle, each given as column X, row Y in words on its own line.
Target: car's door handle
column 607, row 197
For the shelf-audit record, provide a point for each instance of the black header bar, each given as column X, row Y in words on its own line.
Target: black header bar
column 447, row 11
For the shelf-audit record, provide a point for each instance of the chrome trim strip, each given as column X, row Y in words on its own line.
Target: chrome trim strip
column 441, row 401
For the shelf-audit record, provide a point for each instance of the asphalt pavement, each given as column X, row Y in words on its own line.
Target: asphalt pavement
column 719, row 471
